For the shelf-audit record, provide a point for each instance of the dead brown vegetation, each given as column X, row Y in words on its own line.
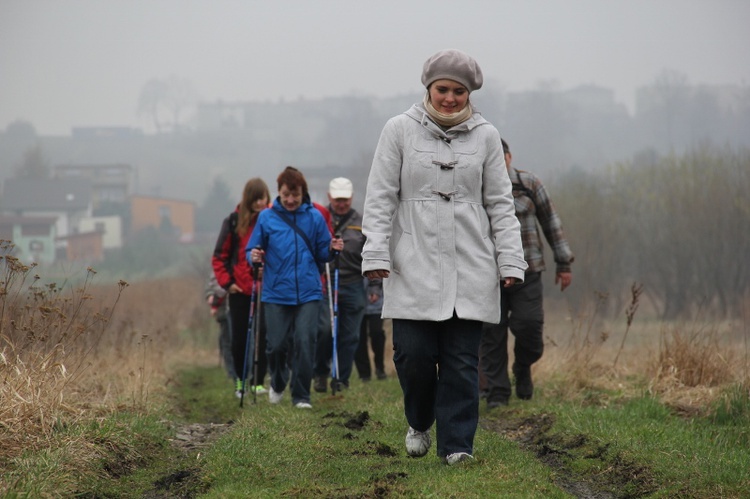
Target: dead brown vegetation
column 77, row 352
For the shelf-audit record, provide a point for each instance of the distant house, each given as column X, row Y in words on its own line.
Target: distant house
column 84, row 247
column 110, row 183
column 175, row 217
column 109, row 227
column 33, row 237
column 66, row 200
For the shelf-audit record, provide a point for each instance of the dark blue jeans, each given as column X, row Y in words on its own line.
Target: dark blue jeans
column 351, row 309
column 295, row 326
column 437, row 364
column 523, row 313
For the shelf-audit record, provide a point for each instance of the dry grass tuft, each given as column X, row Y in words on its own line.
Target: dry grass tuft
column 687, row 366
column 69, row 354
column 693, row 357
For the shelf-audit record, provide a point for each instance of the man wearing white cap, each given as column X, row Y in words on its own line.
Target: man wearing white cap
column 347, row 223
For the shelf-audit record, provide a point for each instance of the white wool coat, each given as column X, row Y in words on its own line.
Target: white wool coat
column 439, row 215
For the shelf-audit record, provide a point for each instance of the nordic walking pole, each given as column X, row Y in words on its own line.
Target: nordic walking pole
column 330, row 311
column 256, row 328
column 247, row 342
column 335, row 324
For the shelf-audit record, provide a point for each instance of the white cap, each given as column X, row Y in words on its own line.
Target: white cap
column 340, row 188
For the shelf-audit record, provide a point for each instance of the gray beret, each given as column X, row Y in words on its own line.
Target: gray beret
column 453, row 65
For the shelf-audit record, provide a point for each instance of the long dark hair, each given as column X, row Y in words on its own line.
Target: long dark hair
column 255, row 189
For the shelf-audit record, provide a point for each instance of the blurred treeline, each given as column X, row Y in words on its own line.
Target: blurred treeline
column 551, row 131
column 678, row 224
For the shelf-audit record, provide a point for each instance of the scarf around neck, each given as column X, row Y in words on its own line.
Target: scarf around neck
column 447, row 119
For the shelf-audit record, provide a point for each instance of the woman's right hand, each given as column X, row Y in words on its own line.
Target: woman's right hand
column 377, row 274
column 256, row 255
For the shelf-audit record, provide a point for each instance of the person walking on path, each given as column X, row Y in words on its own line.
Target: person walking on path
column 522, row 309
column 216, row 297
column 372, row 328
column 235, row 275
column 347, row 224
column 292, row 240
column 442, row 233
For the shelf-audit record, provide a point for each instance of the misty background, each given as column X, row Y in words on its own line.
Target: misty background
column 615, row 105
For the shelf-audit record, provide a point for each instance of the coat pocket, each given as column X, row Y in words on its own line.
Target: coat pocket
column 402, row 250
column 465, row 144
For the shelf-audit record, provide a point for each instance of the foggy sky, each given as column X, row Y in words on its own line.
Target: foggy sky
column 66, row 63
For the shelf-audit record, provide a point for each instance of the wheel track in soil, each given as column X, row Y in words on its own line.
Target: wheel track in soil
column 618, row 478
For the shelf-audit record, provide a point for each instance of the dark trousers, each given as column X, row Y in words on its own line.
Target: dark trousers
column 437, row 366
column 239, row 316
column 523, row 314
column 291, row 333
column 373, row 324
column 351, row 309
column 225, row 343
column 323, row 343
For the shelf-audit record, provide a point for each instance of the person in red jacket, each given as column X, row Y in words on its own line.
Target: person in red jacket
column 235, row 275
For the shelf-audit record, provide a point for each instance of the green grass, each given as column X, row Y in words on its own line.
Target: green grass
column 85, row 458
column 352, row 445
column 683, row 454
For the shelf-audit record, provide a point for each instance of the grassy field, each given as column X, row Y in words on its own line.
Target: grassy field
column 115, row 391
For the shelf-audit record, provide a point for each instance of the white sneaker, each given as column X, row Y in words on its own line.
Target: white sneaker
column 303, row 405
column 458, row 457
column 274, row 397
column 417, row 442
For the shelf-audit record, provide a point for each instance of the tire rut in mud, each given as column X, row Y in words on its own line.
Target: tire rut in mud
column 186, row 482
column 606, row 475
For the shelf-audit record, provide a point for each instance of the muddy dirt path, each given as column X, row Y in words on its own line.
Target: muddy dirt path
column 606, row 476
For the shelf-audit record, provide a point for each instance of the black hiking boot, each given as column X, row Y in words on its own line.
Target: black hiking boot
column 321, row 384
column 524, row 385
column 338, row 386
column 494, row 404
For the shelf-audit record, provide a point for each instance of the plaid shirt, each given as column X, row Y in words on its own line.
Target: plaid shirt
column 532, row 204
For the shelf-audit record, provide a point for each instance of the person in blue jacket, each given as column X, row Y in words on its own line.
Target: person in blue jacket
column 291, row 239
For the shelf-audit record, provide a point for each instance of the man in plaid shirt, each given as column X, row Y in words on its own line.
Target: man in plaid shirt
column 522, row 309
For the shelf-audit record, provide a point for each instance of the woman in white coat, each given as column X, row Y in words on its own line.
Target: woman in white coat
column 442, row 232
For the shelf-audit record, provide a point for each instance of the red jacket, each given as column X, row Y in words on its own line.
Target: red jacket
column 326, row 214
column 228, row 261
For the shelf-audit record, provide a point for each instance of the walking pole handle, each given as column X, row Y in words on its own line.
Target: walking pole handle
column 257, row 265
column 336, row 253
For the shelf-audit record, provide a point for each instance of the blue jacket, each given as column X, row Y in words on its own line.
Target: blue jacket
column 290, row 273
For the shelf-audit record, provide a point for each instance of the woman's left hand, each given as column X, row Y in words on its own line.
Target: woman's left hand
column 509, row 281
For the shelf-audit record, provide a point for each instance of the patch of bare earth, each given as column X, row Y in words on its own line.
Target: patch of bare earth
column 610, row 476
column 186, row 482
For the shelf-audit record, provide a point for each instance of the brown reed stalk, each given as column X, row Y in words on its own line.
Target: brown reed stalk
column 635, row 295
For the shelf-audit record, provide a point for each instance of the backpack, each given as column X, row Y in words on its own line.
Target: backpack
column 520, row 186
column 235, row 241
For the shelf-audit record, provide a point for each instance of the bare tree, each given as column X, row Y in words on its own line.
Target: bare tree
column 171, row 96
column 34, row 164
column 149, row 101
